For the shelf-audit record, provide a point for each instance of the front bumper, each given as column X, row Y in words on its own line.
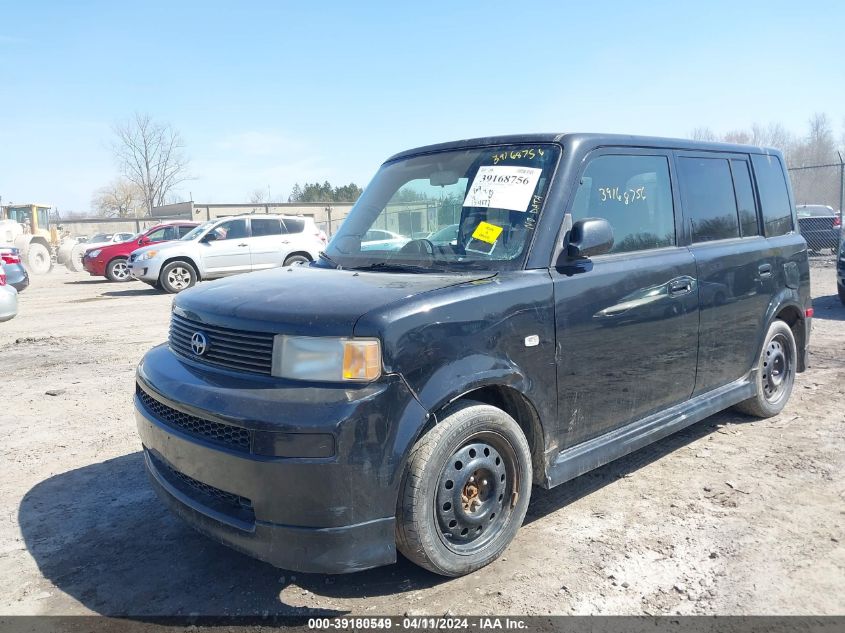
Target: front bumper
column 145, row 270
column 93, row 266
column 331, row 514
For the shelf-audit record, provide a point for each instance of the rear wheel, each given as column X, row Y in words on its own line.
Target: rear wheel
column 465, row 491
column 296, row 259
column 118, row 270
column 38, row 258
column 775, row 374
column 177, row 276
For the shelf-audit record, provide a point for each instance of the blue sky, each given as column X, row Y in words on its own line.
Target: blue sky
column 273, row 93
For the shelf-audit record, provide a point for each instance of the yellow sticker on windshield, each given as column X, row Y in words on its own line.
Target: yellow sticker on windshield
column 487, row 232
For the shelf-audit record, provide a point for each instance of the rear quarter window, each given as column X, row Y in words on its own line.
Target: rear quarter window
column 774, row 196
column 294, row 226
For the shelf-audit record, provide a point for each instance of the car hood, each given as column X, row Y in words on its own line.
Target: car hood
column 158, row 246
column 305, row 300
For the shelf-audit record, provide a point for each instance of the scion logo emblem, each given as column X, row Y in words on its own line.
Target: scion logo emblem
column 199, row 343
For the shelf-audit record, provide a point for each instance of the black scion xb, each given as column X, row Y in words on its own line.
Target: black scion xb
column 405, row 393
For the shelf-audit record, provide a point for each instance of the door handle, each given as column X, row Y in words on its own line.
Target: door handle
column 680, row 287
column 765, row 270
column 285, row 241
column 243, row 244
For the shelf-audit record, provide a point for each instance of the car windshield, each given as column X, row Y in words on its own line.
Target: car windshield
column 100, row 237
column 457, row 210
column 196, row 231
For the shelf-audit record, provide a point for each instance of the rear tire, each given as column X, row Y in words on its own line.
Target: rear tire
column 465, row 491
column 38, row 259
column 296, row 259
column 118, row 270
column 177, row 276
column 775, row 375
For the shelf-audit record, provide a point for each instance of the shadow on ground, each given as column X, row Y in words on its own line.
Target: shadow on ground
column 100, row 535
column 829, row 308
column 133, row 292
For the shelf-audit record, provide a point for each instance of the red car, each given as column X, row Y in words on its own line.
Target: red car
column 110, row 261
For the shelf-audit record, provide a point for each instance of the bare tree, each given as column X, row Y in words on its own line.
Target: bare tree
column 151, row 155
column 703, row 134
column 122, row 198
column 259, row 196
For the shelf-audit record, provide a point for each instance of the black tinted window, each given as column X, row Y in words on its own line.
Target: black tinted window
column 634, row 194
column 708, row 194
column 170, row 233
column 184, row 229
column 745, row 198
column 774, row 198
column 294, row 226
column 265, row 226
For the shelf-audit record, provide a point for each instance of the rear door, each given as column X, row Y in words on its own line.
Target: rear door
column 267, row 243
column 229, row 253
column 627, row 324
column 734, row 264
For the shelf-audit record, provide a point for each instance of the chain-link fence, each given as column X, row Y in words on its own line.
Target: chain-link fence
column 820, row 196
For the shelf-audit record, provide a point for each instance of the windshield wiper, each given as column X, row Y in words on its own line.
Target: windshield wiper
column 324, row 257
column 394, row 266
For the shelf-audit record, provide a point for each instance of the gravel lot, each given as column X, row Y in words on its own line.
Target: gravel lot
column 731, row 516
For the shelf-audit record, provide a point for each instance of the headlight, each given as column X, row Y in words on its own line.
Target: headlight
column 94, row 253
column 326, row 359
column 148, row 255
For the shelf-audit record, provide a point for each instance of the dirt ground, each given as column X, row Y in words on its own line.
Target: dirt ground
column 731, row 516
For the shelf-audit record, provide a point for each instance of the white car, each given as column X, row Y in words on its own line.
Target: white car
column 382, row 240
column 227, row 246
column 104, row 239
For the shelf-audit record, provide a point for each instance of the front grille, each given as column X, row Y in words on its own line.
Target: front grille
column 233, row 349
column 227, row 435
column 230, row 503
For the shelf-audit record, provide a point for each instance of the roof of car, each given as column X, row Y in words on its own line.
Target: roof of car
column 588, row 138
column 171, row 222
column 265, row 215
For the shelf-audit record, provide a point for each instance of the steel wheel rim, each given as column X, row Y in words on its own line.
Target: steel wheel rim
column 776, row 368
column 120, row 270
column 179, row 278
column 473, row 501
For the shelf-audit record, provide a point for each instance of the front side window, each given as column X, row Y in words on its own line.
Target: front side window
column 708, row 194
column 231, row 230
column 195, row 232
column 494, row 196
column 774, row 197
column 157, row 235
column 634, row 194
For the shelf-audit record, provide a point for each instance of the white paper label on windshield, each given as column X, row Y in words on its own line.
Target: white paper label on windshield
column 503, row 187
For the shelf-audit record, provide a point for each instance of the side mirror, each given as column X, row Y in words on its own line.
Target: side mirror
column 143, row 241
column 589, row 237
column 209, row 237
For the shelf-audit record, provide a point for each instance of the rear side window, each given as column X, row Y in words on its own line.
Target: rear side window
column 265, row 226
column 294, row 226
column 774, row 197
column 708, row 194
column 185, row 229
column 634, row 194
column 745, row 198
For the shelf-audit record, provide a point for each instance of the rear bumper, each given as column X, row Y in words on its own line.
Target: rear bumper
column 329, row 514
column 17, row 277
column 8, row 302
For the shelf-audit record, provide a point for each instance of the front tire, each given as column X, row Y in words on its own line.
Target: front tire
column 775, row 375
column 465, row 491
column 38, row 259
column 118, row 270
column 296, row 259
column 177, row 276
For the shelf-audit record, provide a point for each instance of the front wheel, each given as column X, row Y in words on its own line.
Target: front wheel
column 118, row 270
column 465, row 491
column 296, row 259
column 775, row 373
column 177, row 276
column 38, row 259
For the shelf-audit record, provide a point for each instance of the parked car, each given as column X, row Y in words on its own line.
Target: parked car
column 323, row 417
column 101, row 239
column 111, row 260
column 8, row 297
column 446, row 235
column 16, row 274
column 820, row 225
column 381, row 239
column 227, row 246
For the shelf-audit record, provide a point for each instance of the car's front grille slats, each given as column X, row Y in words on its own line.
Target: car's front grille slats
column 229, row 435
column 232, row 349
